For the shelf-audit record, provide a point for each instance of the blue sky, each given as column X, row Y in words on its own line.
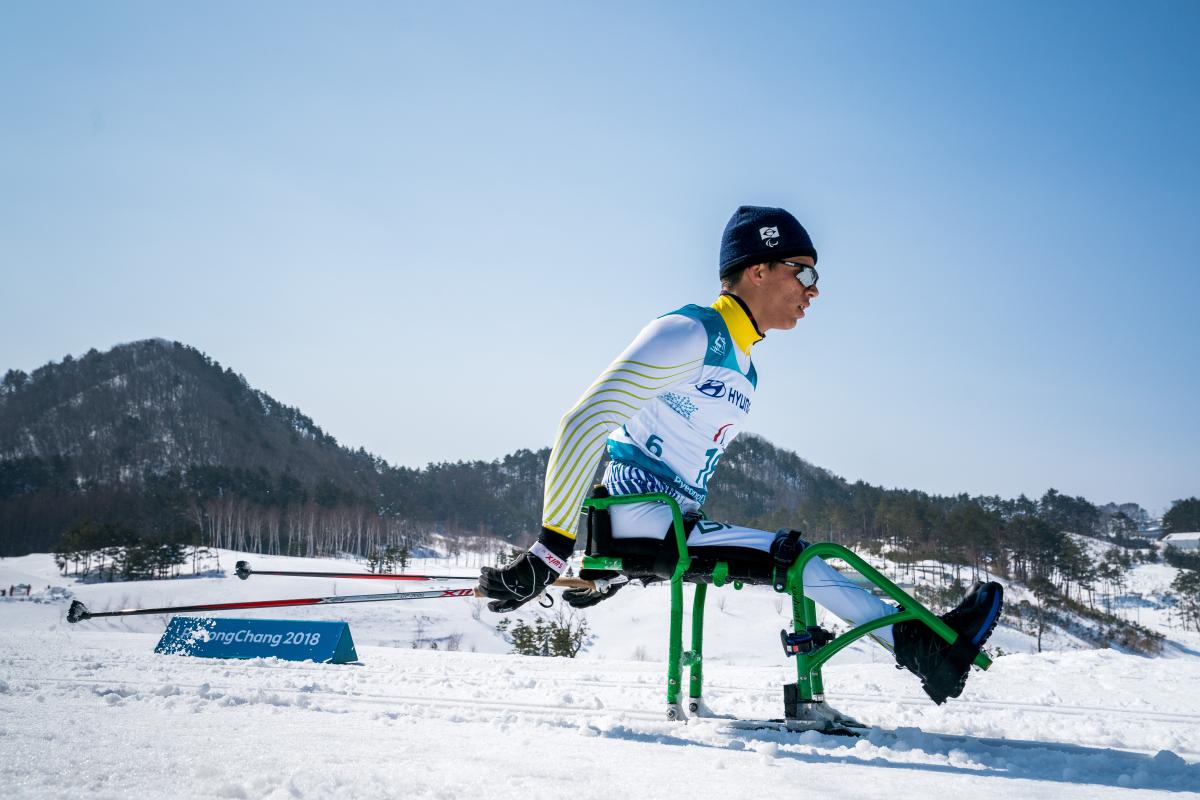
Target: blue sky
column 430, row 226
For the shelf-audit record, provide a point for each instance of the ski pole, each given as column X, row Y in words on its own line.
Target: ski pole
column 243, row 571
column 79, row 612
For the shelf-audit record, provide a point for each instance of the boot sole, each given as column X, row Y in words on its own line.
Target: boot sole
column 958, row 664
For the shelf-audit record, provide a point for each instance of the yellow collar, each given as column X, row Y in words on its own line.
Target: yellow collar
column 737, row 318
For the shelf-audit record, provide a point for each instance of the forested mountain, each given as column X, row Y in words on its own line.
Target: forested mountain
column 156, row 440
column 153, row 406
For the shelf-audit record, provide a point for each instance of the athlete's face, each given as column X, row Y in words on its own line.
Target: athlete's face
column 781, row 299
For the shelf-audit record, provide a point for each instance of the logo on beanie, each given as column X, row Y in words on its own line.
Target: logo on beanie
column 770, row 236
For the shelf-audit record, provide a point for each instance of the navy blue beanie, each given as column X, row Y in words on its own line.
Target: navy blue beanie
column 757, row 234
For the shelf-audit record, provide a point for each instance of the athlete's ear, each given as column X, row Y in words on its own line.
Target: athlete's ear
column 756, row 273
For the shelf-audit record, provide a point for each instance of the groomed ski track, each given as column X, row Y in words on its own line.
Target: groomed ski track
column 97, row 713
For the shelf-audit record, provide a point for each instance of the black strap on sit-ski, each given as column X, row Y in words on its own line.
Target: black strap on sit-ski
column 599, row 527
column 784, row 551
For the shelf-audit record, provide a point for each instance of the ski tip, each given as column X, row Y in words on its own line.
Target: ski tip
column 242, row 569
column 78, row 611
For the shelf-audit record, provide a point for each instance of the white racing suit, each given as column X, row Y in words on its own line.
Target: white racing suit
column 666, row 409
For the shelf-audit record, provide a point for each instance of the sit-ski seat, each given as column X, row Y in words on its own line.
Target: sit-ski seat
column 658, row 559
column 669, row 559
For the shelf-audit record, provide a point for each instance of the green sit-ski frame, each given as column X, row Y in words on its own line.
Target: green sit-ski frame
column 809, row 686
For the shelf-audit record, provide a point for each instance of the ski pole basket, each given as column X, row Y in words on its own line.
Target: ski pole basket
column 811, row 645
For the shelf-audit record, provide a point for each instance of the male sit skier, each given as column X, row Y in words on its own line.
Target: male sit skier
column 667, row 408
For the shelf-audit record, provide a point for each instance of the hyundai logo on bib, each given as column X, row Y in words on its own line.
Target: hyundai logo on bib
column 740, row 400
column 711, row 388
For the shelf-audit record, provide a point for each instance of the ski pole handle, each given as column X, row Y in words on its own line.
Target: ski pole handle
column 575, row 583
column 561, row 583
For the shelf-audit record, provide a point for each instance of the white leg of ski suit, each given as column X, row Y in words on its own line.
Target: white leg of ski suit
column 822, row 583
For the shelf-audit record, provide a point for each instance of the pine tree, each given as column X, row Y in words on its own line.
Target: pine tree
column 1184, row 516
column 1187, row 587
column 563, row 635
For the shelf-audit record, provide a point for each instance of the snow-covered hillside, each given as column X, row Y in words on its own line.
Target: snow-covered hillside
column 90, row 709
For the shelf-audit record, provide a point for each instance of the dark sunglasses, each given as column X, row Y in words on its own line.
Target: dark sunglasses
column 807, row 275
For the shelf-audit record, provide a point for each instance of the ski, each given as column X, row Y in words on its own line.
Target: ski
column 816, row 715
column 828, row 728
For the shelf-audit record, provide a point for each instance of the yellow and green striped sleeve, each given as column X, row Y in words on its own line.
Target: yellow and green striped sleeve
column 668, row 352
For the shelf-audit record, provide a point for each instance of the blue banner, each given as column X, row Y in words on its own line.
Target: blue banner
column 292, row 640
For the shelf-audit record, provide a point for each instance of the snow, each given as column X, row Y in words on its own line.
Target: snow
column 90, row 709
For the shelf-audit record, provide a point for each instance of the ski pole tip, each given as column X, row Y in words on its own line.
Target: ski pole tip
column 78, row 611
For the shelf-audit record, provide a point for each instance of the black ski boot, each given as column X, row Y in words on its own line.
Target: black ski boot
column 943, row 667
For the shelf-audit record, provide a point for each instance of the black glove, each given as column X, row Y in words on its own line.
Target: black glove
column 529, row 574
column 586, row 598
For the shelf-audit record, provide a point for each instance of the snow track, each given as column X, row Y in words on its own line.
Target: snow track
column 90, row 710
column 466, row 678
column 72, row 705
